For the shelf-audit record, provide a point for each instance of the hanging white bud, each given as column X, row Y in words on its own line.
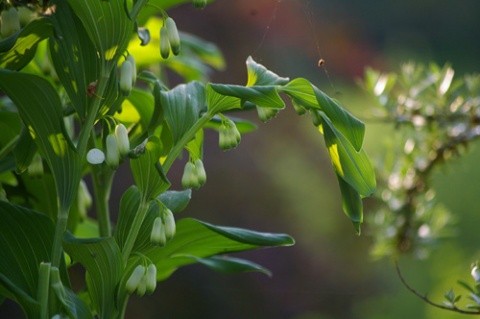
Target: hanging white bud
column 169, row 223
column 122, row 140
column 134, row 279
column 151, row 279
column 126, row 76
column 157, row 236
column 95, row 156
column 476, row 273
column 201, row 173
column 189, row 177
column 10, row 22
column 112, row 158
column 173, row 36
column 131, row 59
column 164, row 43
column 142, row 286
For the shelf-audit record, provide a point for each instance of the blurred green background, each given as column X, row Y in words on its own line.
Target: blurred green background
column 280, row 179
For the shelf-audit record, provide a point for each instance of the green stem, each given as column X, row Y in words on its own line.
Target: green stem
column 102, row 179
column 135, row 229
column 43, row 289
column 187, row 137
column 60, row 228
column 136, row 8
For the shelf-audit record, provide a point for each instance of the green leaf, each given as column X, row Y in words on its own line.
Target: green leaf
column 107, row 24
column 195, row 146
column 137, row 109
column 41, row 111
column 351, row 203
column 147, row 171
column 353, row 167
column 26, row 241
column 76, row 64
column 176, row 201
column 17, row 50
column 24, row 150
column 202, row 240
column 263, row 96
column 258, row 75
column 218, row 103
column 231, row 264
column 102, row 259
column 309, row 96
column 182, row 106
column 243, row 126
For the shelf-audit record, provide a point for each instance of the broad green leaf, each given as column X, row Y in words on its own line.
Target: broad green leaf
column 351, row 203
column 263, row 96
column 26, row 241
column 243, row 126
column 76, row 64
column 182, row 106
column 102, row 259
column 353, row 166
column 258, row 75
column 306, row 94
column 17, row 50
column 41, row 193
column 176, row 201
column 231, row 264
column 24, row 150
column 218, row 103
column 202, row 240
column 76, row 306
column 147, row 172
column 41, row 111
column 107, row 24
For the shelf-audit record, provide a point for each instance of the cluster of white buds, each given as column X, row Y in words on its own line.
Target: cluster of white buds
column 163, row 228
column 199, row 4
column 194, row 174
column 265, row 113
column 10, row 22
column 228, row 135
column 128, row 75
column 169, row 38
column 142, row 280
column 117, row 147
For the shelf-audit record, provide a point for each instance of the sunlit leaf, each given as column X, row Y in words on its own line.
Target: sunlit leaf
column 258, row 75
column 17, row 50
column 304, row 93
column 41, row 111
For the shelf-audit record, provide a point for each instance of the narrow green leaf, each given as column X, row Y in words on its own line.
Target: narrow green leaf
column 17, row 50
column 147, row 172
column 102, row 259
column 353, row 167
column 351, row 203
column 306, row 94
column 231, row 264
column 76, row 64
column 176, row 201
column 263, row 96
column 182, row 106
column 128, row 206
column 202, row 240
column 41, row 111
column 107, row 24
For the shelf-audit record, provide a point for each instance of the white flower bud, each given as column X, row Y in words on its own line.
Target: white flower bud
column 134, row 279
column 142, row 286
column 201, row 173
column 157, row 236
column 126, row 76
column 189, row 177
column 131, row 59
column 122, row 140
column 173, row 36
column 164, row 43
column 151, row 279
column 169, row 224
column 112, row 158
column 95, row 156
column 475, row 273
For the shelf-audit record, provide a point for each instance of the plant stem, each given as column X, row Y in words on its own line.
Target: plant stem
column 135, row 229
column 177, row 149
column 102, row 178
column 60, row 228
column 43, row 289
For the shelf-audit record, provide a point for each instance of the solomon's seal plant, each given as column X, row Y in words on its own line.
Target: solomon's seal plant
column 73, row 106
